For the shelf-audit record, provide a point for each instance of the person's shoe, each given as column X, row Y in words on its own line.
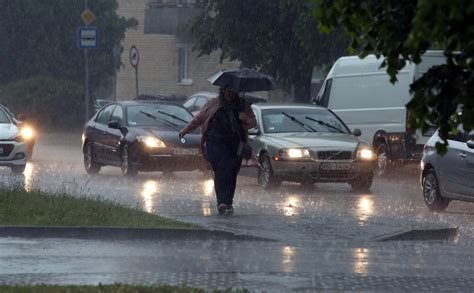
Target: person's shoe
column 221, row 208
column 229, row 210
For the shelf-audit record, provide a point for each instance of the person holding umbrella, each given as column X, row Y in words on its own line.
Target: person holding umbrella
column 224, row 123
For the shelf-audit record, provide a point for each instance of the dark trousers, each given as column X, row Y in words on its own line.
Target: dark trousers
column 226, row 166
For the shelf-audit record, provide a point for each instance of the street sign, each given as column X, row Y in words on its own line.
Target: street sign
column 87, row 16
column 88, row 37
column 134, row 56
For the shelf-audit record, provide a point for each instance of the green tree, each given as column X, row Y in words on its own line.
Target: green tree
column 277, row 37
column 40, row 39
column 401, row 31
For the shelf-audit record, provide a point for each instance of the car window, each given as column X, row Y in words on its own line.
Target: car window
column 189, row 103
column 323, row 97
column 117, row 115
column 460, row 136
column 201, row 102
column 321, row 120
column 105, row 114
column 3, row 117
column 158, row 114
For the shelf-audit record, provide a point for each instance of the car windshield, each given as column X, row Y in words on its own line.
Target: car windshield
column 3, row 117
column 157, row 115
column 281, row 120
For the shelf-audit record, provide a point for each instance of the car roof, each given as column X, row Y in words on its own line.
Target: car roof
column 146, row 102
column 286, row 106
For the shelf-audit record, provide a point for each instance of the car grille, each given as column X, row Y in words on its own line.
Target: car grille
column 7, row 149
column 334, row 155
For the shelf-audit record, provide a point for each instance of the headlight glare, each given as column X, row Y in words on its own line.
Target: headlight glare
column 27, row 133
column 151, row 141
column 365, row 154
column 295, row 153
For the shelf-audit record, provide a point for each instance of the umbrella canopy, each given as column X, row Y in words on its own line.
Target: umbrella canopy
column 244, row 80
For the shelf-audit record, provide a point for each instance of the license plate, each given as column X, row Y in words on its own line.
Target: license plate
column 335, row 166
column 186, row 152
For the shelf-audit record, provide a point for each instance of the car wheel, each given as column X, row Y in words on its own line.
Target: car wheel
column 128, row 169
column 382, row 159
column 362, row 182
column 431, row 192
column 89, row 163
column 307, row 182
column 18, row 169
column 265, row 174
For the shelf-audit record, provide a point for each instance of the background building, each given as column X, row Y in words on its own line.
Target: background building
column 167, row 64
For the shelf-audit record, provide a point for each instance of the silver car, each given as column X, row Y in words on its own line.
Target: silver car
column 448, row 177
column 13, row 147
column 309, row 144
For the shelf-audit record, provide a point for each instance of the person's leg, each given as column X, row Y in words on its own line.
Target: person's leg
column 234, row 171
column 214, row 157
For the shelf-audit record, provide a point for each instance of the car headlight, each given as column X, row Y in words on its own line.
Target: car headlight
column 27, row 133
column 151, row 141
column 365, row 154
column 295, row 153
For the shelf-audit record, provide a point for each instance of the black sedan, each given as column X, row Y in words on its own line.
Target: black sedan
column 141, row 136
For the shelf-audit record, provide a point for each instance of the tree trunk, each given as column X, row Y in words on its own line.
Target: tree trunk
column 302, row 86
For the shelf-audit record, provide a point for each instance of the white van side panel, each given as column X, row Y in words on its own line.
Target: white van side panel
column 370, row 102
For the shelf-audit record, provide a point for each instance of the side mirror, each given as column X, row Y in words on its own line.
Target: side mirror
column 114, row 125
column 254, row 131
column 356, row 132
column 470, row 144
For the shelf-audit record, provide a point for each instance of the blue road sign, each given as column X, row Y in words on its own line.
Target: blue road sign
column 88, row 37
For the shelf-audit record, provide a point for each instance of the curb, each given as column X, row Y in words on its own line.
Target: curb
column 122, row 233
column 421, row 234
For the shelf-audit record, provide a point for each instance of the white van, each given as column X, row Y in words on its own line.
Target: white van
column 360, row 92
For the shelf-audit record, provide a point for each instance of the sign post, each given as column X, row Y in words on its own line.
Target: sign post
column 87, row 38
column 134, row 60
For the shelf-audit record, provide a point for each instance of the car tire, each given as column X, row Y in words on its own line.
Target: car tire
column 362, row 182
column 383, row 161
column 18, row 169
column 89, row 163
column 307, row 182
column 128, row 169
column 431, row 192
column 265, row 174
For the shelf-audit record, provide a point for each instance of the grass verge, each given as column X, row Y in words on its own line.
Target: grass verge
column 104, row 289
column 18, row 207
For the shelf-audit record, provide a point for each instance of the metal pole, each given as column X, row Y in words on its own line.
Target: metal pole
column 87, row 94
column 136, row 80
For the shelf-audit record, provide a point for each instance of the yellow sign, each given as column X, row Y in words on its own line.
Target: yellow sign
column 87, row 16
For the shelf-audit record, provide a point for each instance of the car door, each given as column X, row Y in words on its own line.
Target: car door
column 452, row 166
column 100, row 133
column 468, row 151
column 255, row 134
column 114, row 136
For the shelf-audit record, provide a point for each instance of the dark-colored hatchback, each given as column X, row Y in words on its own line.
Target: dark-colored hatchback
column 141, row 136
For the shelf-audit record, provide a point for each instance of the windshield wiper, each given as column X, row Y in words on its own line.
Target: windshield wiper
column 172, row 116
column 325, row 124
column 166, row 122
column 298, row 122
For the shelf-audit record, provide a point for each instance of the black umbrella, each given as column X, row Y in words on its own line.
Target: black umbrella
column 244, row 80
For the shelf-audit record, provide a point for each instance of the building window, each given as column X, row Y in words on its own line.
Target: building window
column 184, row 70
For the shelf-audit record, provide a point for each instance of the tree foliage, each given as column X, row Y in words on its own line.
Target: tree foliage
column 40, row 38
column 277, row 37
column 401, row 31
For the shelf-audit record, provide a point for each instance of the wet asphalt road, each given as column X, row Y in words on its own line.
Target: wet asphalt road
column 323, row 233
